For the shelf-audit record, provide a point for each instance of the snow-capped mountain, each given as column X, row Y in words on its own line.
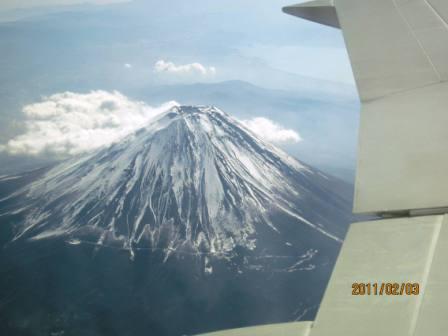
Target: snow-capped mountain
column 224, row 230
column 193, row 179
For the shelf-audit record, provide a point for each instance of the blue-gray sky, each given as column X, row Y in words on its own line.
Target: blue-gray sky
column 16, row 4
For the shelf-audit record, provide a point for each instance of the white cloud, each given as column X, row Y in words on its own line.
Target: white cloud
column 271, row 131
column 72, row 123
column 127, row 65
column 185, row 69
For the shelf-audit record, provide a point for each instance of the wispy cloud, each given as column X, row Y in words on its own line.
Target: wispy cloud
column 20, row 4
column 127, row 65
column 271, row 131
column 184, row 69
column 72, row 123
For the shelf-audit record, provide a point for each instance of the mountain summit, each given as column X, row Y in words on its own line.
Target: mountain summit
column 194, row 179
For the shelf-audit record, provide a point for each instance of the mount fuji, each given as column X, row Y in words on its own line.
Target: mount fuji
column 196, row 195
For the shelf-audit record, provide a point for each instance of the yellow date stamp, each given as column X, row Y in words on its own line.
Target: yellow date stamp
column 385, row 288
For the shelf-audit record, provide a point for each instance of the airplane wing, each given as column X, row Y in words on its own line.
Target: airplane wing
column 399, row 54
column 398, row 50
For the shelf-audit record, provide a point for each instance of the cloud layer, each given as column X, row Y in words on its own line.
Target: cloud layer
column 72, row 123
column 271, row 131
column 185, row 69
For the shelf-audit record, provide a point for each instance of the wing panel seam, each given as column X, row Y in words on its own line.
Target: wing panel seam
column 436, row 12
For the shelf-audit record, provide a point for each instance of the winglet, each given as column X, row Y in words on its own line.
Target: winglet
column 320, row 11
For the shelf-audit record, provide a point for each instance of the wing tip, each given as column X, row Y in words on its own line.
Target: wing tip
column 319, row 11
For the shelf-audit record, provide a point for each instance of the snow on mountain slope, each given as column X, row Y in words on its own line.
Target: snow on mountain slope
column 194, row 179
